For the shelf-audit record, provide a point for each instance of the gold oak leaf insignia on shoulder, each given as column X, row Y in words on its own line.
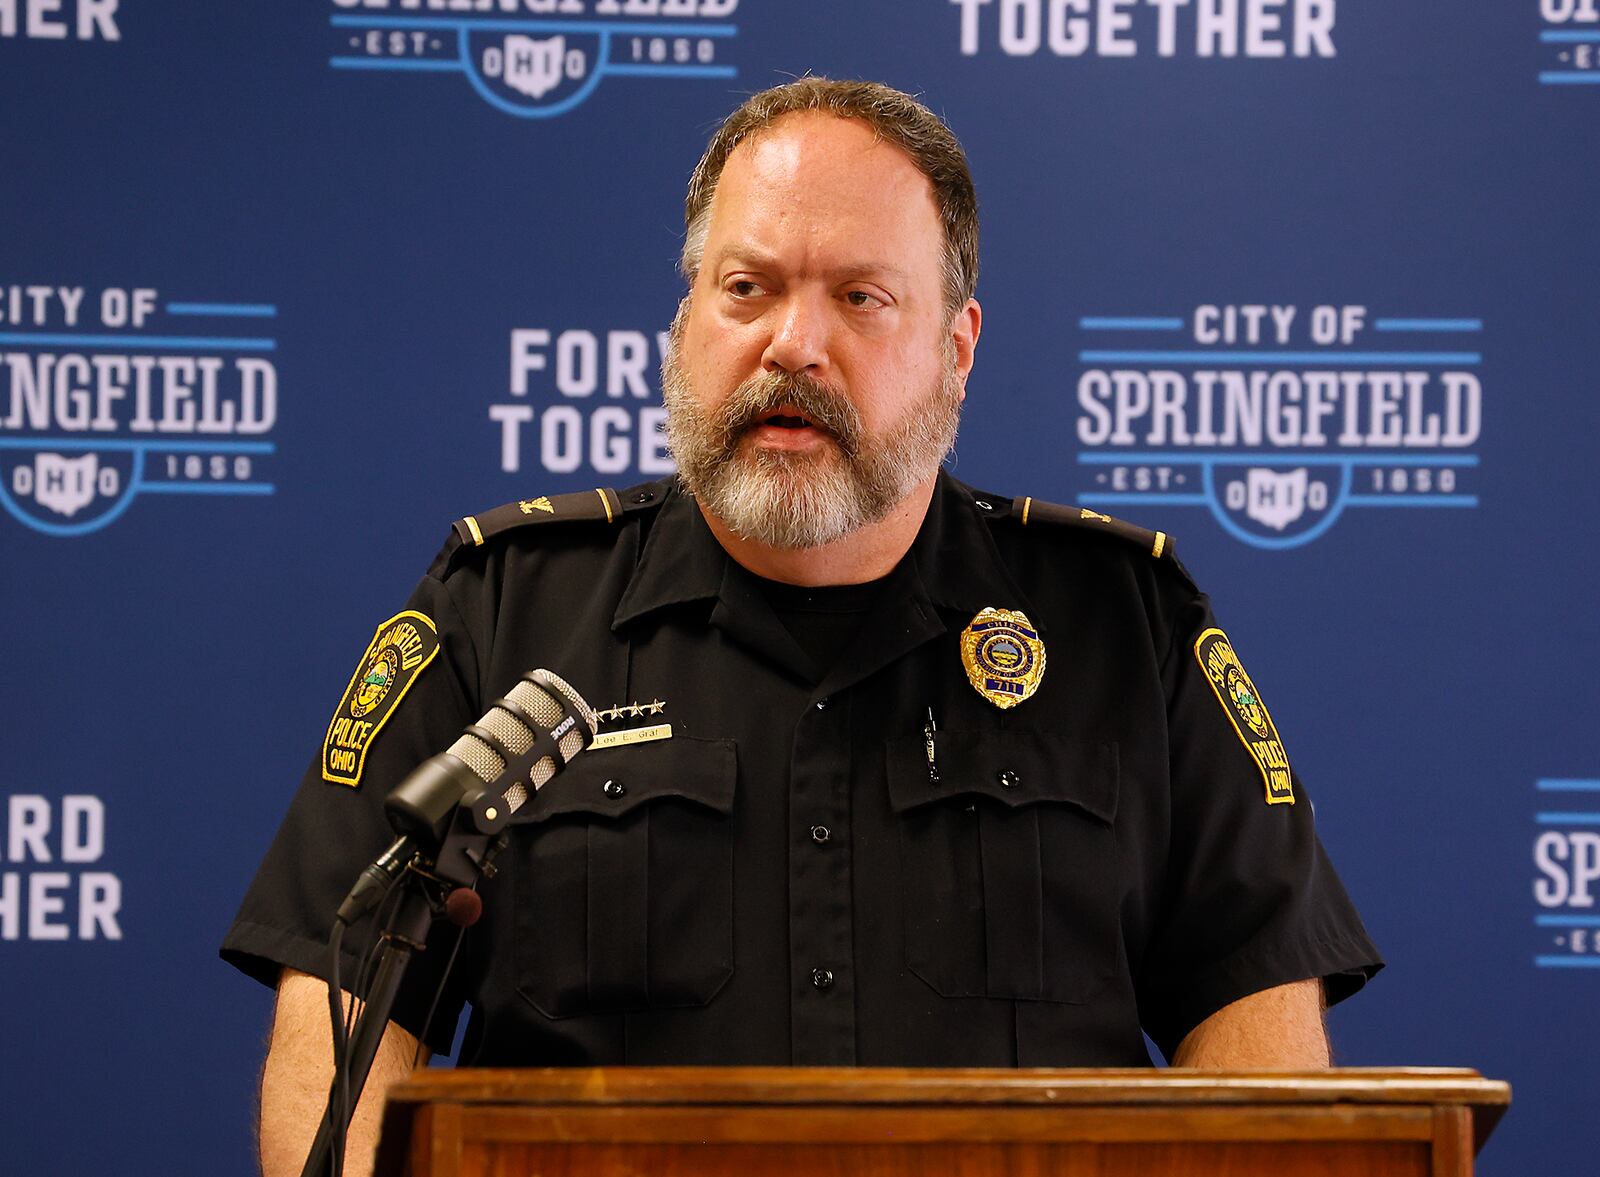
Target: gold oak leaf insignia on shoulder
column 589, row 506
column 602, row 505
column 1030, row 511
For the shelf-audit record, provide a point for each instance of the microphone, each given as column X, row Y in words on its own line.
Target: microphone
column 447, row 810
column 521, row 742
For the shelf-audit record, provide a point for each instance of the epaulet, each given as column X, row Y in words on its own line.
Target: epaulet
column 1036, row 512
column 601, row 505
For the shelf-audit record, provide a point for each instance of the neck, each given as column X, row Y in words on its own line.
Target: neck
column 867, row 553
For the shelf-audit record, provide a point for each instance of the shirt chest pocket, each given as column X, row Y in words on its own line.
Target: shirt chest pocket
column 624, row 880
column 1008, row 864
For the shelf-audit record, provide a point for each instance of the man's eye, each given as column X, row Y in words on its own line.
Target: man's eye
column 743, row 288
column 863, row 300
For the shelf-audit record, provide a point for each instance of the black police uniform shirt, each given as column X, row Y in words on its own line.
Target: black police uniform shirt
column 783, row 881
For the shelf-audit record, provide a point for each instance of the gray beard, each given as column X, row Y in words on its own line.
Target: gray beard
column 792, row 500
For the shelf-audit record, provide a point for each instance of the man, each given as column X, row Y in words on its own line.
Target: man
column 951, row 779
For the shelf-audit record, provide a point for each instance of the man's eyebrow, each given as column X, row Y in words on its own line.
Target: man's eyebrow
column 748, row 255
column 873, row 270
column 758, row 259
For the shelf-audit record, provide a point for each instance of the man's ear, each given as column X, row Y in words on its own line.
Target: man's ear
column 965, row 327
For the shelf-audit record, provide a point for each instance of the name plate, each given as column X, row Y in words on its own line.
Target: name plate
column 633, row 735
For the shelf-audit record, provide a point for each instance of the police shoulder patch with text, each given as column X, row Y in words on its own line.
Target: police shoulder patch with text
column 400, row 650
column 1242, row 702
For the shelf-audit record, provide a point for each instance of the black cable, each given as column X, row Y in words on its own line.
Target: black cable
column 381, row 919
column 337, row 1025
column 438, row 992
column 343, row 1020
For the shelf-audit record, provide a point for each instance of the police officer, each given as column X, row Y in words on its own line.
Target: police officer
column 899, row 772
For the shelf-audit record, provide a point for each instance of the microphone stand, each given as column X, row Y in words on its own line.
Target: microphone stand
column 407, row 934
column 443, row 803
column 404, row 937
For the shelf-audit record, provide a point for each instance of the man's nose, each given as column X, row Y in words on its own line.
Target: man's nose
column 799, row 340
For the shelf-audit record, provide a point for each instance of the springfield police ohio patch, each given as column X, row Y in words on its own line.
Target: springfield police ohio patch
column 401, row 649
column 1242, row 702
column 1003, row 656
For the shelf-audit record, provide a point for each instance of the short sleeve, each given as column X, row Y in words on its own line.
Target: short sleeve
column 1251, row 900
column 334, row 828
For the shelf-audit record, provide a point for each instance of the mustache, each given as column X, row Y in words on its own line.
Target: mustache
column 761, row 396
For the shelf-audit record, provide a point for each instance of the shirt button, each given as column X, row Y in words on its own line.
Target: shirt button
column 820, row 834
column 1010, row 779
column 614, row 789
column 822, row 978
column 822, row 704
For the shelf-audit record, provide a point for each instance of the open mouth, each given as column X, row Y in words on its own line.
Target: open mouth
column 788, row 417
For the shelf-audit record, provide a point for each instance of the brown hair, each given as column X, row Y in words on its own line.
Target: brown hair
column 893, row 116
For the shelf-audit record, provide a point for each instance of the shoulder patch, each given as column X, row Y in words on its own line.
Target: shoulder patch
column 1248, row 714
column 1030, row 510
column 400, row 650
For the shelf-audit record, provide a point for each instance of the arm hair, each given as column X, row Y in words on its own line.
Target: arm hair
column 299, row 1071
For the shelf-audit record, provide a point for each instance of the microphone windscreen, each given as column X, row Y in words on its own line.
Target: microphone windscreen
column 575, row 701
column 463, row 907
column 576, row 738
column 535, row 695
column 421, row 804
column 486, row 763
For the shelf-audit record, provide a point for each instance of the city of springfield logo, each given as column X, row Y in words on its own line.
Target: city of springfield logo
column 1276, row 418
column 536, row 58
column 1566, row 880
column 1570, row 42
column 109, row 394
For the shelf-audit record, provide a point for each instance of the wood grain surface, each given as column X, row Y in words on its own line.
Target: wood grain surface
column 706, row 1122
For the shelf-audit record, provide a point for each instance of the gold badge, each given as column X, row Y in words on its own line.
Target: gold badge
column 1003, row 656
column 1242, row 702
column 401, row 649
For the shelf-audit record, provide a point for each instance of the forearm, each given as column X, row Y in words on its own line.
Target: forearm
column 297, row 1075
column 1279, row 1029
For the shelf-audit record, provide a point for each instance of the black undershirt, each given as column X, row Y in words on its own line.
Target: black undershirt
column 822, row 619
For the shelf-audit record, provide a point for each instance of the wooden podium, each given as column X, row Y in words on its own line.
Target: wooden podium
column 711, row 1122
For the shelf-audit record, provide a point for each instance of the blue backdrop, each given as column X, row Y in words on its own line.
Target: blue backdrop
column 284, row 288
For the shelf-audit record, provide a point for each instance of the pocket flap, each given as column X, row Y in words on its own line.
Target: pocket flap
column 690, row 769
column 1015, row 768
